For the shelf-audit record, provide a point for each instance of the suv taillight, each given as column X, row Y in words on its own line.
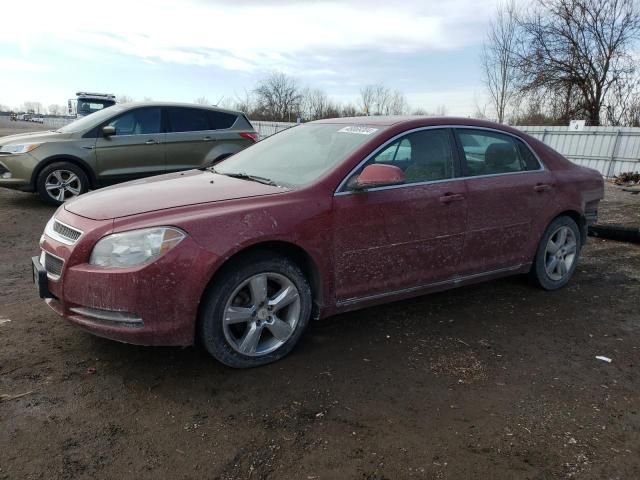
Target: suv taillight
column 250, row 135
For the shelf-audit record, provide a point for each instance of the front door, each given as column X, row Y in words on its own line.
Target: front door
column 507, row 189
column 390, row 239
column 135, row 150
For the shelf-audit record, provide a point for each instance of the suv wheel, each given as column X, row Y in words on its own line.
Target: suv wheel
column 557, row 254
column 255, row 312
column 61, row 181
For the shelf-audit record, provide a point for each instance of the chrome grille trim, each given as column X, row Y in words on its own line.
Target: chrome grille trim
column 62, row 232
column 52, row 264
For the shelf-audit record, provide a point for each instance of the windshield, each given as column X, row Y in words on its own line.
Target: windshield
column 92, row 120
column 88, row 106
column 299, row 155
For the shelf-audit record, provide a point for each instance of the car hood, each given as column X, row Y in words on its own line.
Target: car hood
column 33, row 137
column 165, row 191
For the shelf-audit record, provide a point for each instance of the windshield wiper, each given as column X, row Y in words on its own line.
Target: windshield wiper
column 246, row 176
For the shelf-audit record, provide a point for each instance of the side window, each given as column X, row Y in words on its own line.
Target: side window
column 398, row 152
column 221, row 120
column 489, row 153
column 424, row 156
column 137, row 122
column 188, row 120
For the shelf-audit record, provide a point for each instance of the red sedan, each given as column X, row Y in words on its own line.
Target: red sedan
column 322, row 218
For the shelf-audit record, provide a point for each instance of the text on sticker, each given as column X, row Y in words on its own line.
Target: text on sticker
column 358, row 129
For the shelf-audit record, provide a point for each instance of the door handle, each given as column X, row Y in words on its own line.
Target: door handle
column 206, row 139
column 542, row 187
column 451, row 197
column 151, row 141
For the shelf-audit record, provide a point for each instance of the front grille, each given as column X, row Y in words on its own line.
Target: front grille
column 66, row 232
column 53, row 265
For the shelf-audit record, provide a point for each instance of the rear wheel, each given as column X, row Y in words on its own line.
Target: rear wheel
column 61, row 181
column 256, row 312
column 557, row 254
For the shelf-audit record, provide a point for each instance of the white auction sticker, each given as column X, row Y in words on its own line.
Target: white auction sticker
column 358, row 129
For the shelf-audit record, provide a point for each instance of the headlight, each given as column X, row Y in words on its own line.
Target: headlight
column 136, row 247
column 19, row 148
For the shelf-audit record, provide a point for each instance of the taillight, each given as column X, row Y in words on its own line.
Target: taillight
column 250, row 135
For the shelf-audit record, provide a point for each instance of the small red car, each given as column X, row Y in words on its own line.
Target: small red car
column 322, row 218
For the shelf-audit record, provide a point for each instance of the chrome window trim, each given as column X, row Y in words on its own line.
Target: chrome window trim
column 51, row 233
column 341, row 190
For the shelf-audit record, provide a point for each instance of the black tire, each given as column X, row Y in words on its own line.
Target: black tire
column 217, row 297
column 539, row 273
column 78, row 186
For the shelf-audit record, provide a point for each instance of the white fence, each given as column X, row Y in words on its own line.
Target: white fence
column 266, row 129
column 610, row 150
column 57, row 122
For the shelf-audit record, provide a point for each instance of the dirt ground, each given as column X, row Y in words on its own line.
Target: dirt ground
column 494, row 381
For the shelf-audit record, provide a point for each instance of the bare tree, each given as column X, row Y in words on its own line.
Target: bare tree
column 55, row 109
column 578, row 50
column 314, row 104
column 202, row 101
column 349, row 110
column 397, row 104
column 367, row 99
column 623, row 102
column 278, row 97
column 32, row 107
column 441, row 111
column 499, row 59
column 381, row 100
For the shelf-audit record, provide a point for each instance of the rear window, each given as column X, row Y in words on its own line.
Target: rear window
column 221, row 120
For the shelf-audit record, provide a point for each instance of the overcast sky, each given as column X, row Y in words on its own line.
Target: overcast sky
column 182, row 50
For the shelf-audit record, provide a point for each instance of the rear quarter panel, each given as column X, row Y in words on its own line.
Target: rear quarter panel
column 576, row 188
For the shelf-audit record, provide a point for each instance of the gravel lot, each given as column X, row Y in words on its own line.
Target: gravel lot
column 492, row 381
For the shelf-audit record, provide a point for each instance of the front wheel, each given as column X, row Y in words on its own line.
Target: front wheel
column 256, row 311
column 61, row 181
column 557, row 254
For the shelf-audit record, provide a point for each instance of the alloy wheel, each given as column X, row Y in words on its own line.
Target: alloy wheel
column 560, row 253
column 261, row 314
column 62, row 185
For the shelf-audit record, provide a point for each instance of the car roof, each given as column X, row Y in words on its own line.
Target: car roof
column 389, row 120
column 177, row 104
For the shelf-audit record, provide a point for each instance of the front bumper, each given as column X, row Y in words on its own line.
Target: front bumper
column 17, row 171
column 154, row 304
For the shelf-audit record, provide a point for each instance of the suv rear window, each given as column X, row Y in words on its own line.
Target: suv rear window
column 221, row 120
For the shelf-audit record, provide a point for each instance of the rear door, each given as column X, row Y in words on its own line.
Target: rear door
column 197, row 137
column 390, row 239
column 507, row 188
column 137, row 148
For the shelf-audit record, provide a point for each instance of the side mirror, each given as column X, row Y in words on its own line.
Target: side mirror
column 378, row 175
column 108, row 131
